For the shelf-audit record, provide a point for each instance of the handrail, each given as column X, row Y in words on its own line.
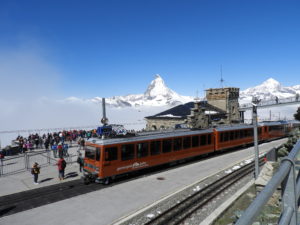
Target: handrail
column 284, row 171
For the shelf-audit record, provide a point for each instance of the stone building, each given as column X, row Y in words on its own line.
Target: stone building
column 221, row 107
column 226, row 99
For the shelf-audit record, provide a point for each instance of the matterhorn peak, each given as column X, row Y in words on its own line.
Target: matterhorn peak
column 157, row 87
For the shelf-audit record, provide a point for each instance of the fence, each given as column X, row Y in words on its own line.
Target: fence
column 21, row 163
column 290, row 184
column 271, row 102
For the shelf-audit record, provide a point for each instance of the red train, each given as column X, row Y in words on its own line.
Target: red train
column 105, row 159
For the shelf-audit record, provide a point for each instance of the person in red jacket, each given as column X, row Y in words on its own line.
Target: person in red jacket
column 61, row 164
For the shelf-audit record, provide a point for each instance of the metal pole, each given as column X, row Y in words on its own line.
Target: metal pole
column 1, row 170
column 255, row 101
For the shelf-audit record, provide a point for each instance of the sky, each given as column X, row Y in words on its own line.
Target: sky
column 110, row 48
column 51, row 50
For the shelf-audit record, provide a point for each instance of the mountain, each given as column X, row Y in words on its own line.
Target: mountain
column 269, row 89
column 157, row 94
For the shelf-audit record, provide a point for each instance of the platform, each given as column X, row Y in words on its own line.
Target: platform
column 117, row 202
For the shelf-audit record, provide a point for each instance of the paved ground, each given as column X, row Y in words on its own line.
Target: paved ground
column 109, row 205
column 23, row 181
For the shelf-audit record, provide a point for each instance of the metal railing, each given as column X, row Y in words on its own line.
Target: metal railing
column 290, row 184
column 271, row 102
column 20, row 163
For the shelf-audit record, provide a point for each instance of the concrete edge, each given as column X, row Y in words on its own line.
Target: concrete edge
column 215, row 214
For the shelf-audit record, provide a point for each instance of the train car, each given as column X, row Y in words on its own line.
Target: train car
column 275, row 129
column 105, row 159
column 235, row 136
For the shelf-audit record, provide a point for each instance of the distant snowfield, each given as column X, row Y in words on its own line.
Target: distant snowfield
column 285, row 112
column 47, row 114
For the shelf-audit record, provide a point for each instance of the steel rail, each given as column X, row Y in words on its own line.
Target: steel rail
column 179, row 212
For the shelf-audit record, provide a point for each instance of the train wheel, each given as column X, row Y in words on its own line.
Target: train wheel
column 86, row 180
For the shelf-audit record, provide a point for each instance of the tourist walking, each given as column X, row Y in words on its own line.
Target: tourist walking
column 35, row 170
column 80, row 162
column 61, row 165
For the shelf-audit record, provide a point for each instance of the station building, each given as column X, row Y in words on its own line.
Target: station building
column 220, row 107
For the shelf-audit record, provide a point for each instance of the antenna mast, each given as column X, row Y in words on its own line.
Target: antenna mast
column 221, row 71
column 197, row 99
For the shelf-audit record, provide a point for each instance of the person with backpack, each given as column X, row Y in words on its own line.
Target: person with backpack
column 61, row 164
column 35, row 170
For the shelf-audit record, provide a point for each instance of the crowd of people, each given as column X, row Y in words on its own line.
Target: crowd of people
column 56, row 141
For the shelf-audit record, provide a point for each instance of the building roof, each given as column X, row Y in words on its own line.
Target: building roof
column 182, row 111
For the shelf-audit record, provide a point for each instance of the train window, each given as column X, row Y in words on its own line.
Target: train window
column 177, row 144
column 142, row 149
column 259, row 130
column 250, row 132
column 266, row 129
column 209, row 139
column 98, row 154
column 127, row 152
column 195, row 141
column 155, row 147
column 203, row 140
column 90, row 152
column 226, row 136
column 242, row 134
column 221, row 137
column 186, row 142
column 236, row 134
column 232, row 135
column 167, row 145
column 111, row 153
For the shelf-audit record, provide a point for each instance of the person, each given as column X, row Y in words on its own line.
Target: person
column 80, row 161
column 1, row 156
column 35, row 170
column 65, row 150
column 61, row 164
column 54, row 149
column 60, row 149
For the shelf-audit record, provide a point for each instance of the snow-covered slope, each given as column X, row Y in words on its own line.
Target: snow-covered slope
column 157, row 94
column 269, row 89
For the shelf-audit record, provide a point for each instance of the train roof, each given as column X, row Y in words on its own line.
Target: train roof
column 273, row 123
column 148, row 136
column 234, row 127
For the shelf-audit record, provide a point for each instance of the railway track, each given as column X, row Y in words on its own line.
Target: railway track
column 178, row 213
